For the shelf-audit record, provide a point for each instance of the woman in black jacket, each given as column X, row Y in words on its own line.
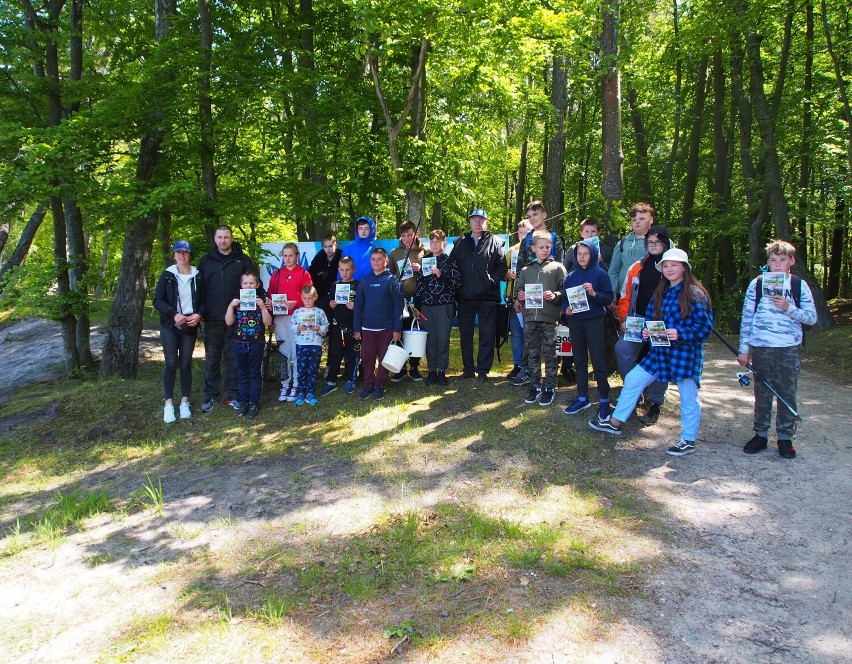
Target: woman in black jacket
column 178, row 298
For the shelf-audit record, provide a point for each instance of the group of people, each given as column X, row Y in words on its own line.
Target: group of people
column 361, row 299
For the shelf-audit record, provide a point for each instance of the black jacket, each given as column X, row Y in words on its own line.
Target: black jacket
column 324, row 272
column 221, row 278
column 166, row 296
column 482, row 267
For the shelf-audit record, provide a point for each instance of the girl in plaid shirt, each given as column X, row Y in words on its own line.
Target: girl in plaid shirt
column 684, row 305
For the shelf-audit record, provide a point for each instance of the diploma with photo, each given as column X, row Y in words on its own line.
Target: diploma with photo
column 342, row 293
column 428, row 264
column 577, row 299
column 279, row 305
column 774, row 283
column 404, row 268
column 657, row 330
column 534, row 296
column 248, row 299
column 633, row 329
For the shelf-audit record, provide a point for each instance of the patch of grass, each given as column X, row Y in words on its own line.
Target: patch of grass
column 49, row 527
column 152, row 499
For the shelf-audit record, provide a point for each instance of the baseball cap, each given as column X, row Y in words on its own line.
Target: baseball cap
column 478, row 212
column 182, row 245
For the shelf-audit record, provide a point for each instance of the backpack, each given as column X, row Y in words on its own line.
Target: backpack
column 528, row 242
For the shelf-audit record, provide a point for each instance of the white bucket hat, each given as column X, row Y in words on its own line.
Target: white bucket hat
column 674, row 255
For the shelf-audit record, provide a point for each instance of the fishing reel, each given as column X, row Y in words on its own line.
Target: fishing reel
column 743, row 379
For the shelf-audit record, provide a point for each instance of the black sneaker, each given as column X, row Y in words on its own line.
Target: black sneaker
column 534, row 395
column 415, row 374
column 251, row 411
column 786, row 449
column 432, row 378
column 482, row 377
column 514, row 372
column 442, row 379
column 243, row 410
column 378, row 394
column 328, row 388
column 606, row 426
column 651, row 415
column 468, row 373
column 366, row 393
column 207, row 406
column 522, row 378
column 683, row 448
column 398, row 376
column 548, row 396
column 757, row 444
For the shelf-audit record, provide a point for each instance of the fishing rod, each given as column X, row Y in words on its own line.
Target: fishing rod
column 744, row 380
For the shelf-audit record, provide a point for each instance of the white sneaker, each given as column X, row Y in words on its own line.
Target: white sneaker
column 292, row 396
column 169, row 413
column 285, row 392
column 185, row 410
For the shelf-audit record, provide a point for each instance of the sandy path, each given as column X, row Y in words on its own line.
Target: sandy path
column 759, row 558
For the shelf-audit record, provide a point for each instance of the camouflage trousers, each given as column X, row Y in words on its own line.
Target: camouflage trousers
column 540, row 344
column 780, row 368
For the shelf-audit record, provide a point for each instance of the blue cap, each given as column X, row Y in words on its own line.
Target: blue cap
column 182, row 245
column 478, row 212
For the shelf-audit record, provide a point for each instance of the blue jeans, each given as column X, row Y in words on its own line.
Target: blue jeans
column 516, row 332
column 690, row 408
column 627, row 357
column 249, row 358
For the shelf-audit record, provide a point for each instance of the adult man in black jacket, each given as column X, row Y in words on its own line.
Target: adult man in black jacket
column 221, row 269
column 481, row 258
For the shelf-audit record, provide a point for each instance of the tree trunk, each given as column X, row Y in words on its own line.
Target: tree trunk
column 99, row 288
column 207, row 149
column 838, row 234
column 678, row 92
column 613, row 159
column 121, row 341
column 521, row 184
column 555, row 166
column 693, row 160
column 22, row 248
column 643, row 176
column 841, row 86
column 721, row 179
column 4, row 238
column 807, row 132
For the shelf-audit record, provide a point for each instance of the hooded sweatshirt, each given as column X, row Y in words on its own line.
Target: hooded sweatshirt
column 626, row 252
column 594, row 275
column 378, row 304
column 178, row 292
column 414, row 256
column 359, row 250
column 290, row 283
column 550, row 273
column 642, row 277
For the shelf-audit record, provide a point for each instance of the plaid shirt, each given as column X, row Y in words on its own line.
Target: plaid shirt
column 685, row 357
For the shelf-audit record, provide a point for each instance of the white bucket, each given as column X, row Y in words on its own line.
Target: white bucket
column 395, row 358
column 414, row 340
column 563, row 341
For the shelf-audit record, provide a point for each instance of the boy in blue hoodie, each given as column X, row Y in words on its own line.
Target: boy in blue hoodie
column 362, row 246
column 587, row 292
column 377, row 321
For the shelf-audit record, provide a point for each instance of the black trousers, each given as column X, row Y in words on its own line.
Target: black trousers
column 483, row 313
column 217, row 349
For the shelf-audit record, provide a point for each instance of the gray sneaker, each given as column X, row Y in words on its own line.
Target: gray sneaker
column 207, row 406
column 522, row 378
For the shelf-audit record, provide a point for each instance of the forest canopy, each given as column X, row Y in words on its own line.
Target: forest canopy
column 125, row 125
